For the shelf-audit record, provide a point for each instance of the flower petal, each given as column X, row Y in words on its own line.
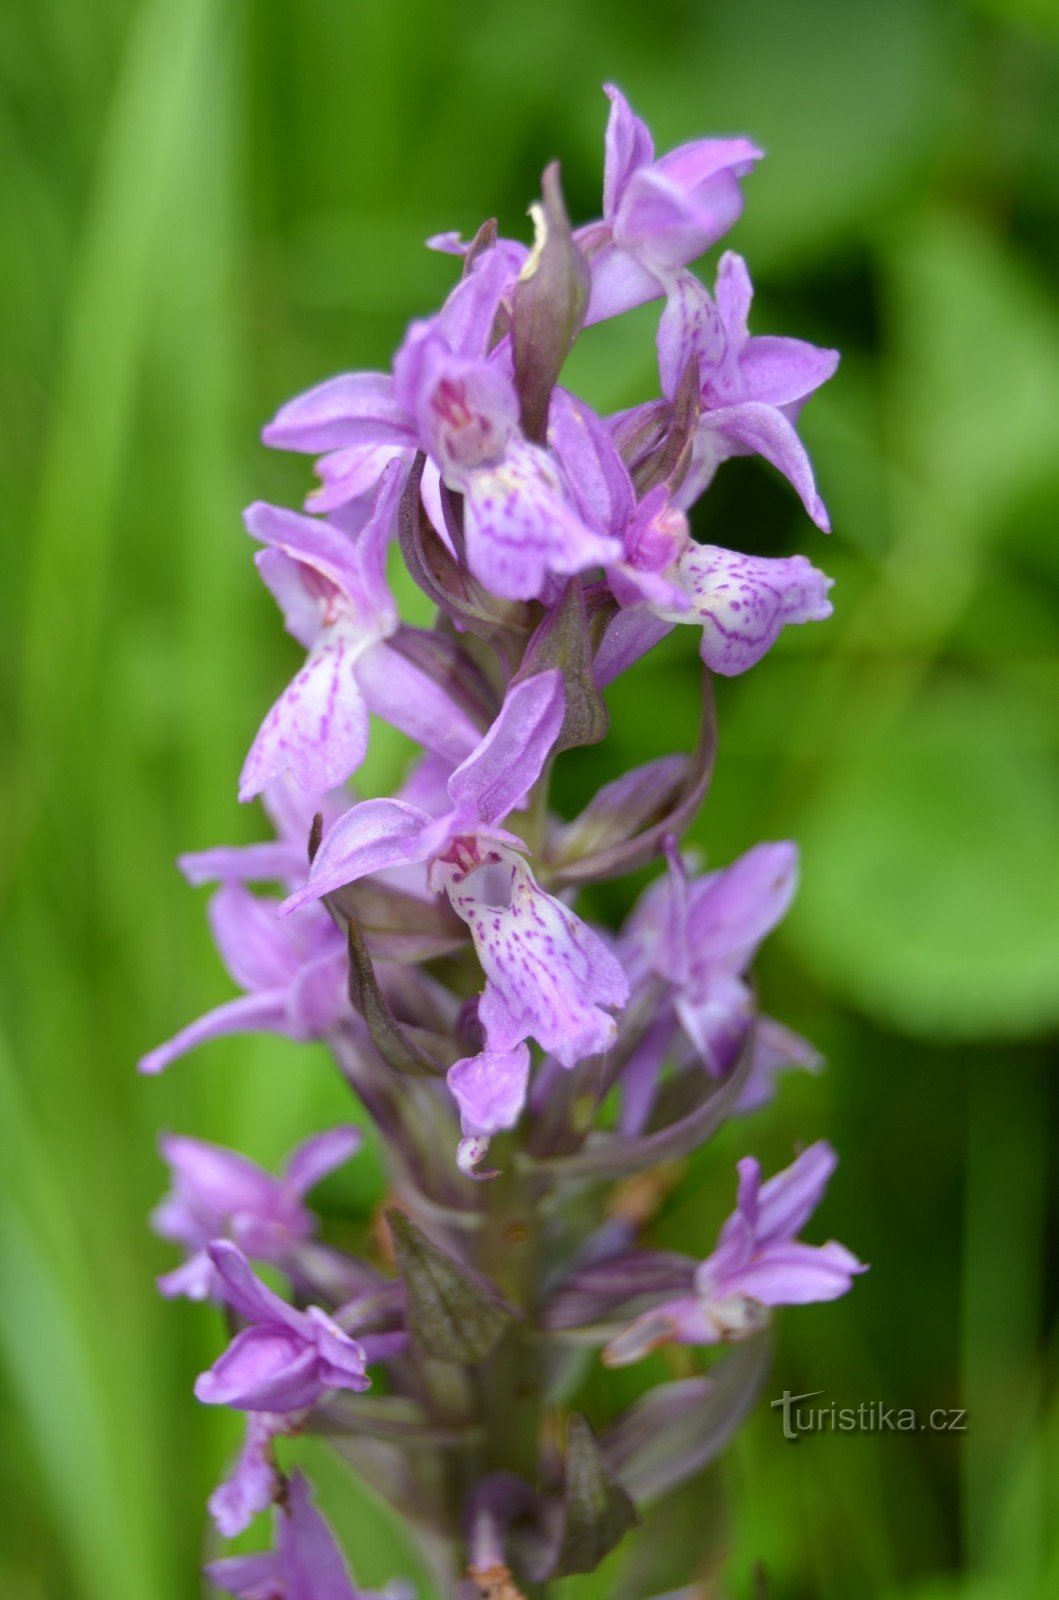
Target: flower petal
column 346, row 475
column 691, row 328
column 731, row 911
column 255, row 946
column 271, row 862
column 466, row 321
column 371, row 836
column 735, row 295
column 795, row 1274
column 787, row 1201
column 628, row 146
column 253, row 1577
column 315, row 1157
column 408, row 698
column 251, row 1013
column 245, row 1292
column 288, row 582
column 251, row 1488
column 765, row 431
column 780, row 371
column 308, row 541
column 774, row 1049
column 630, row 635
column 744, row 602
column 619, row 283
column 314, row 1566
column 549, row 975
column 493, row 780
column 355, row 408
column 194, row 1279
column 521, row 528
column 669, row 215
column 218, row 1181
column 317, row 731
column 599, row 480
column 490, row 1089
column 266, row 1368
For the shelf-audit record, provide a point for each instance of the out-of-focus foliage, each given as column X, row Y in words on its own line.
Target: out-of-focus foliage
column 206, row 207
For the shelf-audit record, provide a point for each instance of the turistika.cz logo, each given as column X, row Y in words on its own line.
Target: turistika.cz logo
column 870, row 1416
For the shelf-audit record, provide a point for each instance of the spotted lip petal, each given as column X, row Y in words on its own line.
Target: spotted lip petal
column 743, row 603
column 549, row 976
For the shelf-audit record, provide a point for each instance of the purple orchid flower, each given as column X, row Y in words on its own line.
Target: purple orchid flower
column 742, row 603
column 333, row 592
column 452, row 396
column 658, row 215
column 219, row 1194
column 357, row 424
column 698, row 938
column 520, row 523
column 294, row 973
column 751, row 388
column 305, row 1565
column 287, row 1359
column 556, row 547
column 548, row 974
column 701, row 936
column 758, row 1263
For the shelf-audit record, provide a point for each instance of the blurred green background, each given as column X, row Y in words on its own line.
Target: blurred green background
column 206, row 207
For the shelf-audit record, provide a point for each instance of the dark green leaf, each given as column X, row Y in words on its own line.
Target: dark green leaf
column 453, row 1312
column 599, row 1513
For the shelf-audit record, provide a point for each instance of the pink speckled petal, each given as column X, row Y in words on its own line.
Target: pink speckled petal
column 317, row 731
column 522, row 528
column 691, row 327
column 549, row 975
column 744, row 602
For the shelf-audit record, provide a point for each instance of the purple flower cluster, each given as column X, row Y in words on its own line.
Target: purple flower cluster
column 433, row 938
